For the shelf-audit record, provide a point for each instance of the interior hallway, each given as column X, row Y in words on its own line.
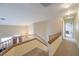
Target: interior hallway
column 67, row 48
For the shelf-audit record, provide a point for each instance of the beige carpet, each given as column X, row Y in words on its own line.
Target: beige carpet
column 36, row 52
column 67, row 48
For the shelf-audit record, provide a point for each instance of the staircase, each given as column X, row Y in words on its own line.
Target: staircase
column 37, row 52
column 29, row 45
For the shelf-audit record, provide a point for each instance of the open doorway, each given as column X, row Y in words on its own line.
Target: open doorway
column 69, row 32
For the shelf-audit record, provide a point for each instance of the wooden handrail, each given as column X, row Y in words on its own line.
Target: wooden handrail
column 53, row 37
column 5, row 51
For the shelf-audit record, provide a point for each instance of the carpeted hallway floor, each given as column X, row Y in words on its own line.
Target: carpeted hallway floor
column 67, row 48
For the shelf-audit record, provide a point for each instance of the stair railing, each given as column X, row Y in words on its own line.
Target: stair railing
column 5, row 44
column 18, row 39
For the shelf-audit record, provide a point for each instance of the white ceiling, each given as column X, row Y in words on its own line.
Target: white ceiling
column 27, row 13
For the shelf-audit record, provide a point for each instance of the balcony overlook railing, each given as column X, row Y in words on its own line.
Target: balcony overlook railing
column 10, row 42
column 17, row 40
column 5, row 44
column 54, row 37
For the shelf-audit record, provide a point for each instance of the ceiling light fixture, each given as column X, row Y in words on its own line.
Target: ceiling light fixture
column 2, row 19
column 69, row 12
column 46, row 4
column 67, row 5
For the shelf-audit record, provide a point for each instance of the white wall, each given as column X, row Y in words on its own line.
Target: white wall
column 55, row 25
column 77, row 29
column 47, row 27
column 7, row 30
column 31, row 29
column 40, row 28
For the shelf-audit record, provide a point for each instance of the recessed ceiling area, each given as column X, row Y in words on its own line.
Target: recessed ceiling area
column 46, row 4
column 28, row 13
